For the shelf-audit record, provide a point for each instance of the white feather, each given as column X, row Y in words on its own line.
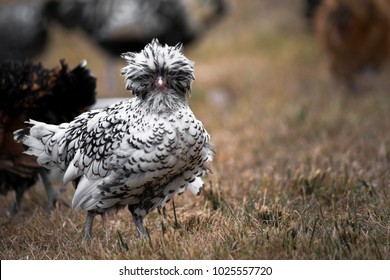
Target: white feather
column 86, row 194
column 196, row 186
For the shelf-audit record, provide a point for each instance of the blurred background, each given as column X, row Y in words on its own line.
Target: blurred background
column 351, row 37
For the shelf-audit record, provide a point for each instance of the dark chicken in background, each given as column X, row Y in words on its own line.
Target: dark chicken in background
column 119, row 26
column 30, row 91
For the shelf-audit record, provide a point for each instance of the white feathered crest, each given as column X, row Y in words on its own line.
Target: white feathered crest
column 154, row 60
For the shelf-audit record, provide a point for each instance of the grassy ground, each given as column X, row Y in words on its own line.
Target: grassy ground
column 302, row 166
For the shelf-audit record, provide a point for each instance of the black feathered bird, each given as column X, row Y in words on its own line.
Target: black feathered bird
column 30, row 91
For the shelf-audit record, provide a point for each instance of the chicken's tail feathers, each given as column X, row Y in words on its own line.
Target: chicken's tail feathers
column 38, row 139
column 21, row 134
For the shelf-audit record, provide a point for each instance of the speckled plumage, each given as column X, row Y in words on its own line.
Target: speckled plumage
column 136, row 153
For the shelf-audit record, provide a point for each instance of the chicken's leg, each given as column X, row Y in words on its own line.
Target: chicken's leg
column 18, row 198
column 88, row 226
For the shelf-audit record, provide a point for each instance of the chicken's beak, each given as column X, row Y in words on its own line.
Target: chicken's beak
column 160, row 84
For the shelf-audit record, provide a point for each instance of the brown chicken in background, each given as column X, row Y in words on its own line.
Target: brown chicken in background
column 355, row 34
column 29, row 91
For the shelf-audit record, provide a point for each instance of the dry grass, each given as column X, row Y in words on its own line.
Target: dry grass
column 302, row 167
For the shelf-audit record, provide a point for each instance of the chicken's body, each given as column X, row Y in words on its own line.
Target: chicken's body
column 136, row 153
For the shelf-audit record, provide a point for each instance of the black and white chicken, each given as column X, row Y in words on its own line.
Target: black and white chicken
column 136, row 153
